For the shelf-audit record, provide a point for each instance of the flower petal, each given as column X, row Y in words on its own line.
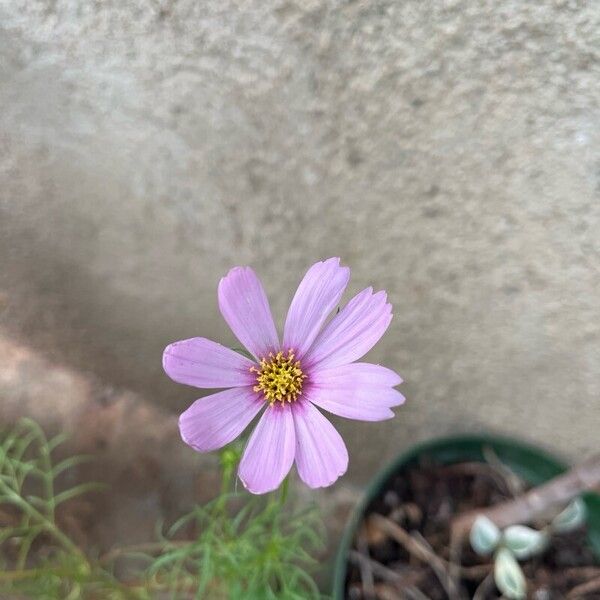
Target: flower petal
column 321, row 455
column 206, row 364
column 363, row 403
column 214, row 421
column 352, row 332
column 364, row 374
column 318, row 294
column 269, row 455
column 245, row 307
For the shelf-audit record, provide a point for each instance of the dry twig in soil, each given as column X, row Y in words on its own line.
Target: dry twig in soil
column 537, row 501
column 421, row 551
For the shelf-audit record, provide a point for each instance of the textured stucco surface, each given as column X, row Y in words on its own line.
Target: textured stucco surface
column 449, row 152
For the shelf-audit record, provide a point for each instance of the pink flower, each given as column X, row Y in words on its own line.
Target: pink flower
column 313, row 367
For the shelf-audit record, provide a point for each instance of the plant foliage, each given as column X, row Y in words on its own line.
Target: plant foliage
column 239, row 547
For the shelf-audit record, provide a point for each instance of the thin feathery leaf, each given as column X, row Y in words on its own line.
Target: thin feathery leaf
column 78, row 490
column 69, row 463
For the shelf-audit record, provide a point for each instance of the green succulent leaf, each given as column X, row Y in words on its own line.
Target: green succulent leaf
column 571, row 517
column 484, row 535
column 524, row 541
column 508, row 575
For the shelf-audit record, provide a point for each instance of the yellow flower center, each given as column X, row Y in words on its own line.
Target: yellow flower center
column 279, row 377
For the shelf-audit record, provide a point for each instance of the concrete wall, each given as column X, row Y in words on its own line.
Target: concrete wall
column 449, row 152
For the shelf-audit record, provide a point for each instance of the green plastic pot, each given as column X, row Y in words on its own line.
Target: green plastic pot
column 532, row 464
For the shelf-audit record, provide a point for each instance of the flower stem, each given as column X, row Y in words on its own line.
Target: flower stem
column 284, row 491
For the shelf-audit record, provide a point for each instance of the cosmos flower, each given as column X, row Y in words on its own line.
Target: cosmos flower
column 314, row 366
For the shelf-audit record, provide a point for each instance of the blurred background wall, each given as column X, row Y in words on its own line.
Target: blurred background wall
column 449, row 152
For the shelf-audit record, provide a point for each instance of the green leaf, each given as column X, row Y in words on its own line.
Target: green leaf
column 508, row 575
column 70, row 462
column 484, row 536
column 523, row 541
column 77, row 491
column 570, row 518
column 56, row 441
